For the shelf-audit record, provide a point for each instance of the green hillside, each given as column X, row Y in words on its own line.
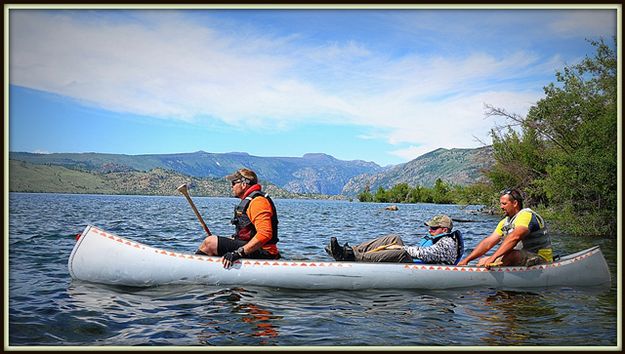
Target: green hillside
column 311, row 173
column 26, row 177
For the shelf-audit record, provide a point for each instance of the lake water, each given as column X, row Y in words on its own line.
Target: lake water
column 47, row 308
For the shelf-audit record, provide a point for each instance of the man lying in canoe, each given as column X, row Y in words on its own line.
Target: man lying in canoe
column 522, row 231
column 442, row 246
column 255, row 220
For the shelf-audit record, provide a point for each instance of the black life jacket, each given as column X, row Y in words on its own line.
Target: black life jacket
column 244, row 229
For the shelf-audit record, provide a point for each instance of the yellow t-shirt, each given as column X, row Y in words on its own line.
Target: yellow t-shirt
column 524, row 218
column 529, row 220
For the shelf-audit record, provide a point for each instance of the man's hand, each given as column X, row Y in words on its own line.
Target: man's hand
column 489, row 262
column 483, row 261
column 497, row 262
column 231, row 257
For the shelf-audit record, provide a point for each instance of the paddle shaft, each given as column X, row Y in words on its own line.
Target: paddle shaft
column 184, row 190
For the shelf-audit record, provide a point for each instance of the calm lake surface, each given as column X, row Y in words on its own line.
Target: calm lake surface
column 47, row 308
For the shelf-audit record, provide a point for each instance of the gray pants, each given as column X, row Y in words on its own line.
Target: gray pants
column 362, row 254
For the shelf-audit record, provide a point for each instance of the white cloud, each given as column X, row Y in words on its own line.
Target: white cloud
column 165, row 66
column 588, row 23
column 411, row 152
column 169, row 69
column 455, row 123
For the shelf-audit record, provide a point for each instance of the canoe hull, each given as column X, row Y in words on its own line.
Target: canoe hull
column 102, row 257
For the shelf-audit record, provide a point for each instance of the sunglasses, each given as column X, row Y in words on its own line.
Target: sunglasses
column 511, row 192
column 434, row 228
column 235, row 182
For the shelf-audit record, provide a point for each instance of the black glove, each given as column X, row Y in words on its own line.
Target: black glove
column 231, row 257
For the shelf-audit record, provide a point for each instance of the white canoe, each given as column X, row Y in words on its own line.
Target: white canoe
column 102, row 257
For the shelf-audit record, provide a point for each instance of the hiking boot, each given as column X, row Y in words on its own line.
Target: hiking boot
column 327, row 248
column 334, row 249
column 348, row 253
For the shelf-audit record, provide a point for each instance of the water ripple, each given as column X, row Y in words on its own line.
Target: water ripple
column 47, row 308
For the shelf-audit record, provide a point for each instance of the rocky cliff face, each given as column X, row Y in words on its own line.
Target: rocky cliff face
column 453, row 166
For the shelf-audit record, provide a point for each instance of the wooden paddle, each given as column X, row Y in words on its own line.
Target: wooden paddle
column 185, row 191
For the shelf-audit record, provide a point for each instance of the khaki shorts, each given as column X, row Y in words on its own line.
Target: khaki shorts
column 529, row 259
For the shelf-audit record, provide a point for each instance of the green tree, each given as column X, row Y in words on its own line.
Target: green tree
column 441, row 192
column 381, row 195
column 480, row 193
column 427, row 196
column 520, row 160
column 365, row 195
column 564, row 152
column 414, row 195
column 399, row 193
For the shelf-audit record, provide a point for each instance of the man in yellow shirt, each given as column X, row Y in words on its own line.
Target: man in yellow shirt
column 522, row 234
column 255, row 220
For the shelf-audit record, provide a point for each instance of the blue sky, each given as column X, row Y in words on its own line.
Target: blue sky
column 381, row 85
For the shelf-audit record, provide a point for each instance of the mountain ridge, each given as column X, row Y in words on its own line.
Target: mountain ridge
column 453, row 166
column 313, row 173
column 31, row 178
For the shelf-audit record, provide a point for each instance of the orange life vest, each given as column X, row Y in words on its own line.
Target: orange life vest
column 244, row 228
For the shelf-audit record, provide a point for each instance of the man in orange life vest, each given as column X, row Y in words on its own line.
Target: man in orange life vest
column 255, row 220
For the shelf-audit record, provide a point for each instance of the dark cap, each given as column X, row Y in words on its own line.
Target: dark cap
column 243, row 174
column 440, row 221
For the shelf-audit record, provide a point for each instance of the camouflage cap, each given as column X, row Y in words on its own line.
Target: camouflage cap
column 243, row 173
column 441, row 220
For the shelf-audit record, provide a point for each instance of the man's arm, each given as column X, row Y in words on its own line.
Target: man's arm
column 484, row 246
column 260, row 214
column 509, row 243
